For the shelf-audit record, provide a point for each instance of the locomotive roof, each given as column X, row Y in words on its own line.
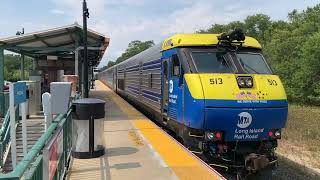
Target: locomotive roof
column 202, row 40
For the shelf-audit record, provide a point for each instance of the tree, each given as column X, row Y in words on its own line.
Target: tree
column 291, row 47
column 134, row 47
column 12, row 66
column 111, row 63
column 257, row 26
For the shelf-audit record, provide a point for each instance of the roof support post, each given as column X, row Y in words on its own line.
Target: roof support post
column 22, row 68
column 77, row 63
column 85, row 51
column 2, row 103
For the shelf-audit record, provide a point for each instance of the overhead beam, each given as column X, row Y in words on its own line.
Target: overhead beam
column 70, row 34
column 42, row 40
column 64, row 44
column 41, row 48
column 8, row 45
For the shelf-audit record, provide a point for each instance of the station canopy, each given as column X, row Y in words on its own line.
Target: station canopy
column 61, row 42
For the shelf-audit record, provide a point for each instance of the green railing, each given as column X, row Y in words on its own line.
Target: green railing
column 31, row 166
column 4, row 136
column 5, row 98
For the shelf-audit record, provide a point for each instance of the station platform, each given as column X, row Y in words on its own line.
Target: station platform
column 136, row 148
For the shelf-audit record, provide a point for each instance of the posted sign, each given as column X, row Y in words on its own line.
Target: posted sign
column 20, row 92
column 17, row 96
column 52, row 154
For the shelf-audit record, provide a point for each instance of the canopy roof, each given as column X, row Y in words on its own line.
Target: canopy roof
column 61, row 41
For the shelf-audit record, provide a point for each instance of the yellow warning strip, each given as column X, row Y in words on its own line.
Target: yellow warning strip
column 185, row 165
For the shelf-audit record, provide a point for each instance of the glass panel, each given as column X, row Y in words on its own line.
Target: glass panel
column 253, row 63
column 80, row 136
column 99, row 142
column 175, row 65
column 212, row 62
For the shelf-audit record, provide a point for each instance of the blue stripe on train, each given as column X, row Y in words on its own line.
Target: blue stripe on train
column 245, row 103
column 134, row 88
column 152, row 62
column 152, row 93
column 152, row 66
column 151, row 97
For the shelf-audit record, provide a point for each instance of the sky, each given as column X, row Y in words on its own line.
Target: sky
column 126, row 20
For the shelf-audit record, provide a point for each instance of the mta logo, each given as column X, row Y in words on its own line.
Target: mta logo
column 244, row 120
column 171, row 86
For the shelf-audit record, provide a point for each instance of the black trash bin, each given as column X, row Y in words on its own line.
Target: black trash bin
column 88, row 128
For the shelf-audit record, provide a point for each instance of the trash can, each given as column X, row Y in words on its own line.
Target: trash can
column 88, row 128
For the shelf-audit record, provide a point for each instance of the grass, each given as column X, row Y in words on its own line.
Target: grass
column 301, row 137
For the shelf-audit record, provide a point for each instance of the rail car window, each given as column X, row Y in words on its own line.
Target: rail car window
column 150, row 80
column 253, row 63
column 212, row 62
column 175, row 66
column 121, row 84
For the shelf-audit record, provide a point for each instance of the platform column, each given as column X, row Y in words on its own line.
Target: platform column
column 22, row 68
column 2, row 110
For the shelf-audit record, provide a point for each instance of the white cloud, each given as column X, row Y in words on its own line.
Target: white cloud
column 57, row 11
column 185, row 20
column 127, row 20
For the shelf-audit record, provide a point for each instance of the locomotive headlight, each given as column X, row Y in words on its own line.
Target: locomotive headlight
column 249, row 82
column 214, row 136
column 245, row 82
column 277, row 133
column 210, row 136
column 241, row 82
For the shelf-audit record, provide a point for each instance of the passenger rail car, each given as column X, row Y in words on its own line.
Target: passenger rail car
column 216, row 92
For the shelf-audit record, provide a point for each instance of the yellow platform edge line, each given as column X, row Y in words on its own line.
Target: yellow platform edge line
column 184, row 164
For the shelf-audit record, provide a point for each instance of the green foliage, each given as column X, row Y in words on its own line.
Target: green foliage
column 291, row 47
column 12, row 67
column 134, row 47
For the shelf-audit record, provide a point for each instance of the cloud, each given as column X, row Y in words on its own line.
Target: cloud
column 183, row 20
column 57, row 11
column 127, row 20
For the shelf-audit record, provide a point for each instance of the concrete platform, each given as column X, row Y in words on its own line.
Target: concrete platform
column 137, row 148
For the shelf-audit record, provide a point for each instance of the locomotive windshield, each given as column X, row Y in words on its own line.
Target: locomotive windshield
column 213, row 62
column 230, row 62
column 253, row 63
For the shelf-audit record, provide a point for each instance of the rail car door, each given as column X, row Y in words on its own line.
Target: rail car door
column 165, row 87
column 172, row 88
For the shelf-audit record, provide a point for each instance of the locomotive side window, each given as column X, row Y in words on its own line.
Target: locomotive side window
column 175, row 66
column 165, row 70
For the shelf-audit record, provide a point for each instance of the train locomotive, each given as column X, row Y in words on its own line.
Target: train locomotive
column 215, row 92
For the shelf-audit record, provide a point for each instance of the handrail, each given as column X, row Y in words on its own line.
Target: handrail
column 35, row 150
column 5, row 124
column 4, row 136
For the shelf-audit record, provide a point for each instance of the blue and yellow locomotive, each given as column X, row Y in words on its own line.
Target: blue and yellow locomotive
column 215, row 92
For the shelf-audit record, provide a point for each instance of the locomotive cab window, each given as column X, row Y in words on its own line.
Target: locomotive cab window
column 253, row 63
column 175, row 66
column 213, row 62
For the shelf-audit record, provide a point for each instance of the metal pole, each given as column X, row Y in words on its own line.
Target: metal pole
column 22, row 58
column 13, row 127
column 92, row 78
column 22, row 68
column 24, row 127
column 85, row 50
